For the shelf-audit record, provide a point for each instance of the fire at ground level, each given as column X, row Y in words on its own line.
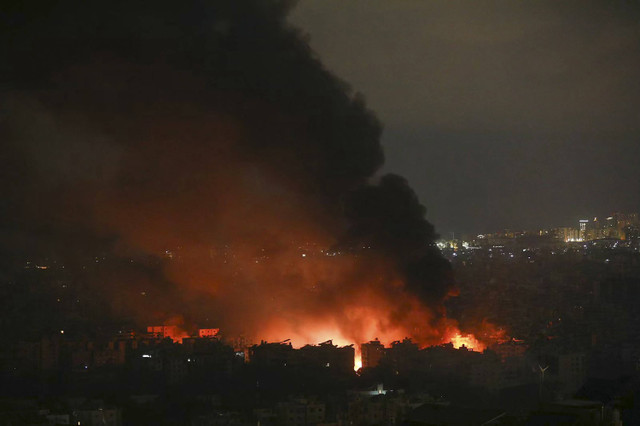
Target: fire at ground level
column 366, row 354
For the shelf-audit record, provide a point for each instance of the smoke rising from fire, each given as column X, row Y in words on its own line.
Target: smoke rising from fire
column 208, row 136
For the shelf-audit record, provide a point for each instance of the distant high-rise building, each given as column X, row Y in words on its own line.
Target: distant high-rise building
column 582, row 229
column 623, row 223
column 567, row 234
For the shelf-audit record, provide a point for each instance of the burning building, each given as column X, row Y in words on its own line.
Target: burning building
column 327, row 355
column 219, row 139
column 208, row 332
column 172, row 332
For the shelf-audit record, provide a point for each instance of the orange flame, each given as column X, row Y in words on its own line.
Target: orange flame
column 314, row 333
column 467, row 340
column 357, row 362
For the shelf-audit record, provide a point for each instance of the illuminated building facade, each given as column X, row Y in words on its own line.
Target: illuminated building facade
column 208, row 332
column 582, row 229
column 163, row 331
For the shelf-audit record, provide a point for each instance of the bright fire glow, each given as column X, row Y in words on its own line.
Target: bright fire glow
column 357, row 365
column 362, row 324
column 467, row 340
column 314, row 333
column 369, row 327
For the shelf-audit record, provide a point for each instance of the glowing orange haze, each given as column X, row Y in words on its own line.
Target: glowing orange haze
column 263, row 248
column 251, row 196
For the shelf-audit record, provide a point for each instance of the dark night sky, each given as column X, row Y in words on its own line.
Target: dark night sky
column 500, row 114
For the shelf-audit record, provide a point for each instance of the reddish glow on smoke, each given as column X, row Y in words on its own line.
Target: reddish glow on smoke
column 256, row 208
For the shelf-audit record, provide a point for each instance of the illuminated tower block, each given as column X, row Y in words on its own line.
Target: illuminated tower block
column 583, row 229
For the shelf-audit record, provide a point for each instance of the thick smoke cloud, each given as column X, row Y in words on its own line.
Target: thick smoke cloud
column 206, row 138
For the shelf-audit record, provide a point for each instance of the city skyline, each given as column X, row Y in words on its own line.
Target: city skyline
column 575, row 224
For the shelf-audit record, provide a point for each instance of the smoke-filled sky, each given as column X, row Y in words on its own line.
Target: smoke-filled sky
column 255, row 150
column 207, row 135
column 501, row 113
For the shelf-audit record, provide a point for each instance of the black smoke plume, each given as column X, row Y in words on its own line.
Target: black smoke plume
column 204, row 143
